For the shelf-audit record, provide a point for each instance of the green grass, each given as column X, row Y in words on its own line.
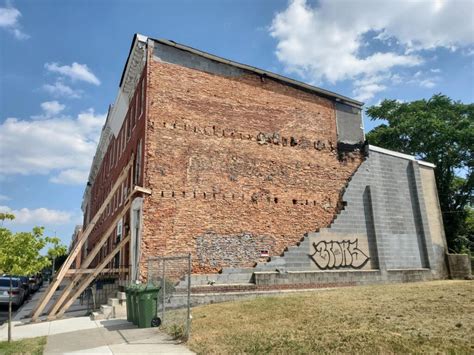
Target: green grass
column 403, row 318
column 32, row 346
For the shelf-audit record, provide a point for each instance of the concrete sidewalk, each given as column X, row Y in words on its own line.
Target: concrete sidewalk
column 80, row 335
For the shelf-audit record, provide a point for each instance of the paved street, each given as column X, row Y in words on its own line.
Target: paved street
column 3, row 313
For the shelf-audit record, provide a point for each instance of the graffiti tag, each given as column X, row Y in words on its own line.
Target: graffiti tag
column 335, row 255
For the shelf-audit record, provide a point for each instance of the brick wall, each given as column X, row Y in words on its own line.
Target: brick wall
column 118, row 154
column 236, row 159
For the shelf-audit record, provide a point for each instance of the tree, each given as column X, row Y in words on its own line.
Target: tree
column 57, row 250
column 20, row 255
column 441, row 131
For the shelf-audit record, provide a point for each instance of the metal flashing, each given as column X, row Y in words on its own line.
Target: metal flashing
column 400, row 155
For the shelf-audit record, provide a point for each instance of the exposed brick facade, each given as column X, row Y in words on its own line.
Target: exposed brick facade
column 239, row 166
column 117, row 156
column 249, row 161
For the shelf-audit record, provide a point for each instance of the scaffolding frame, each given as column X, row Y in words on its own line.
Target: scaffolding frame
column 65, row 299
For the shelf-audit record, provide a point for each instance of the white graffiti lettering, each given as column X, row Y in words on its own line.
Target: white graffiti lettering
column 335, row 255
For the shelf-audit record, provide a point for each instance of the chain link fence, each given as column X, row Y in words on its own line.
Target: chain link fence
column 172, row 275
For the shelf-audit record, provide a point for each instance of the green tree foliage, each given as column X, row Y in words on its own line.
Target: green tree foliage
column 20, row 253
column 56, row 251
column 441, row 131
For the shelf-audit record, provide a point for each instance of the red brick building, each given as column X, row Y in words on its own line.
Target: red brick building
column 233, row 164
column 240, row 162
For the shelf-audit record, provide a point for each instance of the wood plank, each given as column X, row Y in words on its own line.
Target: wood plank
column 73, row 272
column 83, row 285
column 90, row 257
column 43, row 301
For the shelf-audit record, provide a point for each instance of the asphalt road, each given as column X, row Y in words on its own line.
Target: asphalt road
column 4, row 313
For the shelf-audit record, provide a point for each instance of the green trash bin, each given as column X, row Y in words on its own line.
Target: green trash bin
column 130, row 308
column 147, row 298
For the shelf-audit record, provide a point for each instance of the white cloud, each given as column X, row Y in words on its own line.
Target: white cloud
column 4, row 198
column 58, row 89
column 9, row 20
column 426, row 80
column 325, row 42
column 52, row 108
column 39, row 216
column 427, row 83
column 71, row 177
column 75, row 71
column 62, row 146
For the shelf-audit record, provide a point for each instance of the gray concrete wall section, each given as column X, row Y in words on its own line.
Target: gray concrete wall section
column 349, row 124
column 394, row 222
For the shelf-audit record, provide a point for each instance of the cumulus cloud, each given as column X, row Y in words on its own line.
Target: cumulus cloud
column 71, row 177
column 325, row 43
column 9, row 20
column 52, row 108
column 75, row 71
column 59, row 89
column 62, row 147
column 38, row 216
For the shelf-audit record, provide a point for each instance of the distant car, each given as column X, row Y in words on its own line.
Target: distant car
column 18, row 292
column 34, row 283
column 25, row 283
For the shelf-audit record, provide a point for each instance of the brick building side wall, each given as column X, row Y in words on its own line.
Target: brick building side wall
column 236, row 165
column 108, row 173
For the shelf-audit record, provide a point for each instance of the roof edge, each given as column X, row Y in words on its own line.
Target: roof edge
column 278, row 77
column 400, row 155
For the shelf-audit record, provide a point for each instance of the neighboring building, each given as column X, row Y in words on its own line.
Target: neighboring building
column 249, row 170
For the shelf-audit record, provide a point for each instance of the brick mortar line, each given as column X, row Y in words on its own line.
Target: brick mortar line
column 269, row 138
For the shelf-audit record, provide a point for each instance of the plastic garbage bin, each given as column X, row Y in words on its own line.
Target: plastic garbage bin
column 128, row 294
column 132, row 290
column 147, row 298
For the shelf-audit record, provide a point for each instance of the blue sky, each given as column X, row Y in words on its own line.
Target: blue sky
column 61, row 62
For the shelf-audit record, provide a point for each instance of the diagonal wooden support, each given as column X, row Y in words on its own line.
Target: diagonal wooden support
column 90, row 257
column 43, row 301
column 114, row 270
column 87, row 280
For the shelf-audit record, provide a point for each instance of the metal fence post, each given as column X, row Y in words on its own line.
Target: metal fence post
column 188, row 319
column 163, row 294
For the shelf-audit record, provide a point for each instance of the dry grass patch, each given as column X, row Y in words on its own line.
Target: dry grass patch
column 402, row 318
column 33, row 346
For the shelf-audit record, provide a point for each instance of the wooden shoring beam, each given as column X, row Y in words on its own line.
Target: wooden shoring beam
column 90, row 257
column 83, row 285
column 43, row 301
column 74, row 272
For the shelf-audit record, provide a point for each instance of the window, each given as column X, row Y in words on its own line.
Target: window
column 123, row 140
column 112, row 160
column 129, row 127
column 138, row 163
column 136, row 109
column 120, row 191
column 142, row 100
column 117, row 150
column 132, row 115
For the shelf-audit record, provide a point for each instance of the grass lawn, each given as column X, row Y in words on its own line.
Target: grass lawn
column 417, row 317
column 26, row 346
